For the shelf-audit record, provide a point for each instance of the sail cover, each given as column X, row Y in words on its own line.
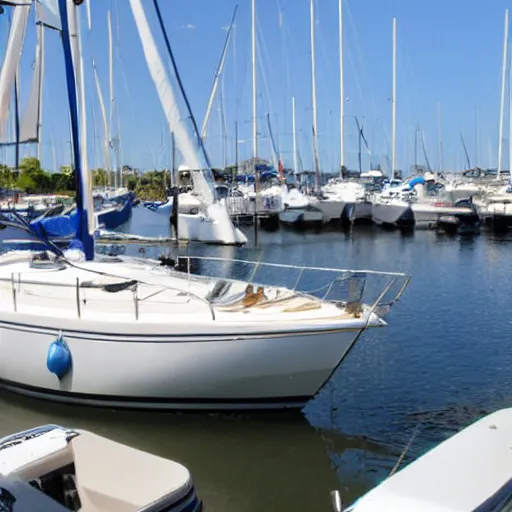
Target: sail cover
column 29, row 124
column 48, row 13
column 203, row 181
column 11, row 62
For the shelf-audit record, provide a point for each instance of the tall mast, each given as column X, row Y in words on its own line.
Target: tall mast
column 218, row 74
column 254, row 93
column 393, row 105
column 502, row 104
column 440, row 135
column 510, row 120
column 254, row 118
column 73, row 85
column 342, row 90
column 313, row 91
column 111, row 90
column 16, row 123
column 294, row 135
column 477, row 139
column 40, row 29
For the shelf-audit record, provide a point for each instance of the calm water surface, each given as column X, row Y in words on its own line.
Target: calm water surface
column 443, row 361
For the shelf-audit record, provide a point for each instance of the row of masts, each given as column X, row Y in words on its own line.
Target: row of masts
column 316, row 165
column 34, row 106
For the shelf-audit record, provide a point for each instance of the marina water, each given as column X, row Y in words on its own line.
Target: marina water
column 443, row 361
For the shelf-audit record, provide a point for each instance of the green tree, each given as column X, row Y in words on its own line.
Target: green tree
column 99, row 178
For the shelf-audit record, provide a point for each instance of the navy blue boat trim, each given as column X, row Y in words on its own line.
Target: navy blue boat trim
column 132, row 402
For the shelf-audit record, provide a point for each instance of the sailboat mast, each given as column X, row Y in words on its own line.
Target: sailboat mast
column 16, row 124
column 313, row 91
column 510, row 118
column 254, row 119
column 294, row 135
column 342, row 90
column 218, row 74
column 440, row 135
column 41, row 82
column 111, row 90
column 81, row 193
column 393, row 105
column 477, row 138
column 502, row 103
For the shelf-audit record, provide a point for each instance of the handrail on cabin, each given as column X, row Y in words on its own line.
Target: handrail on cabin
column 79, row 286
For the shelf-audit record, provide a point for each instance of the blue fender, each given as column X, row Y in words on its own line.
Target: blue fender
column 58, row 360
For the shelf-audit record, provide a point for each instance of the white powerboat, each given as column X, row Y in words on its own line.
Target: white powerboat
column 412, row 207
column 470, row 471
column 53, row 469
column 495, row 206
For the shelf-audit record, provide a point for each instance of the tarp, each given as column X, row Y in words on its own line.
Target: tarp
column 61, row 226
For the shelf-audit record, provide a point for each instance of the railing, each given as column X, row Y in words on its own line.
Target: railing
column 265, row 205
column 377, row 289
column 327, row 284
column 16, row 282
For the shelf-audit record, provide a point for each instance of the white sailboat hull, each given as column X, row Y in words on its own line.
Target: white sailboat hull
column 388, row 213
column 361, row 210
column 151, row 337
column 301, row 216
column 172, row 370
column 332, row 209
column 214, row 226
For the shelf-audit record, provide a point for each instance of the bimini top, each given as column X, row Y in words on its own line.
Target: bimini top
column 471, row 471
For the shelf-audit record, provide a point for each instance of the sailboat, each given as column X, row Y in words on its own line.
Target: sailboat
column 124, row 332
column 495, row 205
column 416, row 204
column 201, row 215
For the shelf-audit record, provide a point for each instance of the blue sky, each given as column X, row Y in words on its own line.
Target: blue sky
column 449, row 52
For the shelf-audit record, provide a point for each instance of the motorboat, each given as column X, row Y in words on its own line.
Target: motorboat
column 56, row 469
column 495, row 206
column 470, row 471
column 416, row 205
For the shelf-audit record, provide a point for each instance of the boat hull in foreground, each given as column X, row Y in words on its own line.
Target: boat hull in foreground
column 469, row 471
column 151, row 337
column 231, row 371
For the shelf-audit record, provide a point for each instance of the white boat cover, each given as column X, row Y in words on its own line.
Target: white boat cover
column 469, row 471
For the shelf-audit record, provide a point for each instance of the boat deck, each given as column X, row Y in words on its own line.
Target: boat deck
column 158, row 295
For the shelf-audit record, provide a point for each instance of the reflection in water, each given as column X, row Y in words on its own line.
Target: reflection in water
column 269, row 462
column 443, row 361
